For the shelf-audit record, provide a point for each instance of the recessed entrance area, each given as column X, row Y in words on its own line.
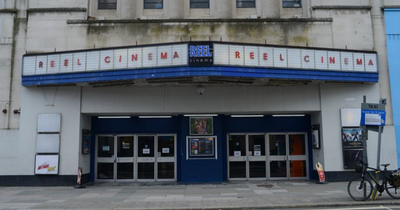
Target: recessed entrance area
column 260, row 156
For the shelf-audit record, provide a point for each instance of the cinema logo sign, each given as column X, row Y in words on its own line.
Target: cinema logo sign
column 295, row 58
column 113, row 59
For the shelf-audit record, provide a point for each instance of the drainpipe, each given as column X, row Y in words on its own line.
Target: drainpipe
column 14, row 34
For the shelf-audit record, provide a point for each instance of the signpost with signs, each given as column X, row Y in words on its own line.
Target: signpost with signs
column 373, row 117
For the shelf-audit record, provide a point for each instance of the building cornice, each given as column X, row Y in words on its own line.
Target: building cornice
column 390, row 7
column 340, row 7
column 61, row 9
column 265, row 20
column 8, row 11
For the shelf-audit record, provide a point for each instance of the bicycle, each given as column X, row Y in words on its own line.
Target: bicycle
column 361, row 188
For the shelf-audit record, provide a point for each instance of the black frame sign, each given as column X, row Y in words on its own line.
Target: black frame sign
column 351, row 157
column 201, row 53
column 201, row 147
column 86, row 138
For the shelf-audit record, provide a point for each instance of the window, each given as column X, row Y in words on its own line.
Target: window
column 291, row 3
column 107, row 4
column 199, row 3
column 246, row 3
column 153, row 4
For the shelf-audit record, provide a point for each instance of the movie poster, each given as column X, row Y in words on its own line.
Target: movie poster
column 351, row 137
column 201, row 126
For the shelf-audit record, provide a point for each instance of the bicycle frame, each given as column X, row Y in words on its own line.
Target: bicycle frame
column 379, row 187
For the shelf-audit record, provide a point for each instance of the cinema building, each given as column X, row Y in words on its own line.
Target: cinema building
column 191, row 91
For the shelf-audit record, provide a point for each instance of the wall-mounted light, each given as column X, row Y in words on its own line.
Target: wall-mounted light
column 288, row 115
column 149, row 117
column 200, row 115
column 5, row 111
column 113, row 117
column 248, row 115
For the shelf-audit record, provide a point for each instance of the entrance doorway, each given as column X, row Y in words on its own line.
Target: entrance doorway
column 135, row 158
column 267, row 156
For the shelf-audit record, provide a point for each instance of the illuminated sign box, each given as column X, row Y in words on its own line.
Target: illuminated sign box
column 197, row 54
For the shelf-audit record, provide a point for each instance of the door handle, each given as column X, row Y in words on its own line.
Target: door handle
column 116, row 160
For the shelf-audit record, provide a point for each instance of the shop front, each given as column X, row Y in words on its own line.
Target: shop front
column 196, row 111
column 203, row 148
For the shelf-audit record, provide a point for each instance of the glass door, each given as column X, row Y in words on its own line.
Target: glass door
column 115, row 158
column 256, row 156
column 298, row 156
column 125, row 158
column 105, row 158
column 166, row 158
column 237, row 157
column 136, row 158
column 287, row 156
column 277, row 147
column 146, row 158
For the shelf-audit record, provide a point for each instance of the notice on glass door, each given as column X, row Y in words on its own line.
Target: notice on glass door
column 165, row 150
column 237, row 153
column 146, row 151
column 106, row 148
column 257, row 153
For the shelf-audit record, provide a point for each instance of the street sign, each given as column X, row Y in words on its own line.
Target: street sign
column 373, row 114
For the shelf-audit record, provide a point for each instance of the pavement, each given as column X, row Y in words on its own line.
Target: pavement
column 227, row 195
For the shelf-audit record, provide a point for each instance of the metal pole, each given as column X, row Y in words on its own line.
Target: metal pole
column 379, row 147
column 365, row 156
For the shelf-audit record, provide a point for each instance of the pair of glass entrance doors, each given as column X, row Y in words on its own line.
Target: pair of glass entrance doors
column 136, row 158
column 267, row 156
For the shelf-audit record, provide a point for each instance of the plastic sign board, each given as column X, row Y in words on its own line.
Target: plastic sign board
column 46, row 164
column 373, row 114
column 201, row 54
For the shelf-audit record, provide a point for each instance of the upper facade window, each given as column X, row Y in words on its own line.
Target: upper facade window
column 199, row 4
column 107, row 4
column 153, row 4
column 246, row 3
column 291, row 3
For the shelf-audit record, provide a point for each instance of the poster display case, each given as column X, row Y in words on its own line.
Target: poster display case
column 353, row 146
column 201, row 146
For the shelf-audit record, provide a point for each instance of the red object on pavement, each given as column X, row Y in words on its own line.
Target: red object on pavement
column 321, row 173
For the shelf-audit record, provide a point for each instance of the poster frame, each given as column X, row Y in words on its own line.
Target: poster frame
column 196, row 121
column 86, row 140
column 213, row 155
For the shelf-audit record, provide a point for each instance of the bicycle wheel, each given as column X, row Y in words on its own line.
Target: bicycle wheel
column 360, row 189
column 393, row 191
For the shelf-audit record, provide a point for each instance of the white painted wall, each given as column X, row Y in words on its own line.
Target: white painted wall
column 216, row 99
column 335, row 97
column 57, row 3
column 63, row 100
column 9, row 158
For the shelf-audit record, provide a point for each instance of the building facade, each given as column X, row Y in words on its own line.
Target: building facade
column 191, row 90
